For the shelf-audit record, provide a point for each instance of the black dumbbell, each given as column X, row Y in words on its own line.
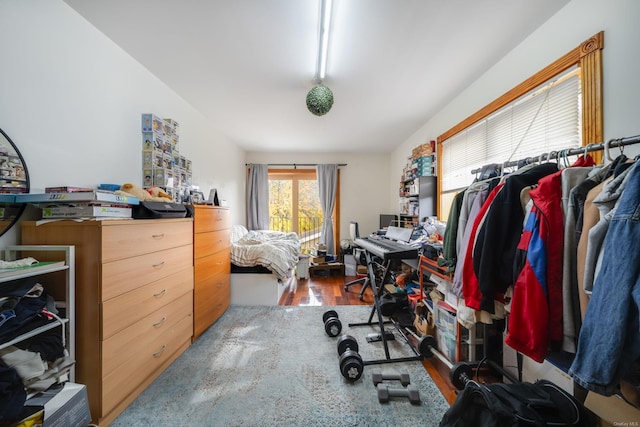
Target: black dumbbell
column 351, row 364
column 379, row 377
column 347, row 342
column 332, row 325
column 385, row 393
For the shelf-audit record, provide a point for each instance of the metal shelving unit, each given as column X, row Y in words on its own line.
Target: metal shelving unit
column 68, row 257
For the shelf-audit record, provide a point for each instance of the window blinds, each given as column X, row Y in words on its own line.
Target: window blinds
column 546, row 119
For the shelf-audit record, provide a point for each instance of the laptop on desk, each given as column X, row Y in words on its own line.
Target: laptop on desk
column 399, row 234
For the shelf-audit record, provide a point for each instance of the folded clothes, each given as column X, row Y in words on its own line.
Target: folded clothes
column 17, row 263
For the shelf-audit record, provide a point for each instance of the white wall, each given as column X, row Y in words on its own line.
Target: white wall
column 576, row 22
column 71, row 101
column 364, row 184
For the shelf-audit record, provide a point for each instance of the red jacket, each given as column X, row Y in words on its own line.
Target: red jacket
column 536, row 306
column 535, row 319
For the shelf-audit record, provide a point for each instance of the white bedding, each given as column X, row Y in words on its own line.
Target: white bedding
column 274, row 250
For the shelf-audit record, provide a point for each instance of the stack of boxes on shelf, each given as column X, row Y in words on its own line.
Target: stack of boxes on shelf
column 420, row 163
column 162, row 164
column 79, row 202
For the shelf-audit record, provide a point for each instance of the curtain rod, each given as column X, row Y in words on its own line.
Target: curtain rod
column 294, row 164
column 611, row 143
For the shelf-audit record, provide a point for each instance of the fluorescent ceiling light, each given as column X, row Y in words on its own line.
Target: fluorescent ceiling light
column 325, row 26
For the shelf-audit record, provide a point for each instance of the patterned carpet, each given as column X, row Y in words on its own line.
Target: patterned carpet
column 275, row 366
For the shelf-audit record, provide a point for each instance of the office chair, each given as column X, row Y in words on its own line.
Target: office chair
column 358, row 254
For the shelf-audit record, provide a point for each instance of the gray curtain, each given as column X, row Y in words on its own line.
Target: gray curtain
column 258, row 197
column 327, row 186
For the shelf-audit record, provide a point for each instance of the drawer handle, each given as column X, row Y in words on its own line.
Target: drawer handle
column 158, row 236
column 157, row 265
column 161, row 293
column 160, row 322
column 159, row 352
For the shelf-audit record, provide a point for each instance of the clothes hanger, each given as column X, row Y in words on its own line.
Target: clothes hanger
column 563, row 157
column 550, row 155
column 607, row 155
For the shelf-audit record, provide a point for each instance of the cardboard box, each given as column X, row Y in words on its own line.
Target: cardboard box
column 425, row 325
column 67, row 406
column 85, row 211
column 152, row 123
column 425, row 149
column 147, row 177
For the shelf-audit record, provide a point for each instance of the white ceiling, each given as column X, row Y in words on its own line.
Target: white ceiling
column 247, row 65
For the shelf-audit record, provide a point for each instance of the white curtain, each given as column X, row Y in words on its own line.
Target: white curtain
column 327, row 186
column 258, row 197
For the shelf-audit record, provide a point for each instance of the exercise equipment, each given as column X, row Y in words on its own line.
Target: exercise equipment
column 459, row 373
column 332, row 325
column 379, row 377
column 423, row 344
column 351, row 364
column 378, row 269
column 385, row 393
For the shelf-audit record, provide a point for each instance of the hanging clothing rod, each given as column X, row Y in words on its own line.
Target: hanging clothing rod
column 611, row 143
column 294, row 165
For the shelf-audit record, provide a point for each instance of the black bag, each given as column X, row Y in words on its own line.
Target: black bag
column 148, row 210
column 523, row 404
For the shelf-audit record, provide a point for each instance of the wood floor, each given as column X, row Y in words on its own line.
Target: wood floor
column 329, row 291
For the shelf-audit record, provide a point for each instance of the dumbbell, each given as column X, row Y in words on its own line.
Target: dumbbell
column 459, row 374
column 379, row 377
column 385, row 393
column 332, row 325
column 351, row 364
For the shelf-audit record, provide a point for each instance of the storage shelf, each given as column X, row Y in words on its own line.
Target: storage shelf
column 21, row 274
column 66, row 263
column 34, row 332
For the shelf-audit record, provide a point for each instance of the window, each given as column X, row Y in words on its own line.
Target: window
column 294, row 204
column 559, row 107
column 544, row 120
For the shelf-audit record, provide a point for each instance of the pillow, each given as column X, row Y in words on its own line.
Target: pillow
column 238, row 232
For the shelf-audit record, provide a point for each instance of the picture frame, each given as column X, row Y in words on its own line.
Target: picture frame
column 197, row 198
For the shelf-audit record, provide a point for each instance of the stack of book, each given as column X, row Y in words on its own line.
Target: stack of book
column 80, row 202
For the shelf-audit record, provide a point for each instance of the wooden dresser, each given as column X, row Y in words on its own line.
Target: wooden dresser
column 134, row 302
column 212, row 265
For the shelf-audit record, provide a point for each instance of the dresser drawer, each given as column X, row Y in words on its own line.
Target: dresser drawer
column 144, row 236
column 212, row 241
column 125, row 275
column 211, row 299
column 219, row 262
column 126, row 309
column 118, row 384
column 211, row 219
column 138, row 338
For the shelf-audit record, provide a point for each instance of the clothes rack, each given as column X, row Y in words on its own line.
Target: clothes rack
column 295, row 165
column 611, row 143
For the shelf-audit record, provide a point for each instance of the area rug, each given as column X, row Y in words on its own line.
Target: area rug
column 275, row 366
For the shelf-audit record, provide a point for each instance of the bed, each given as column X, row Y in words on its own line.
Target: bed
column 262, row 265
